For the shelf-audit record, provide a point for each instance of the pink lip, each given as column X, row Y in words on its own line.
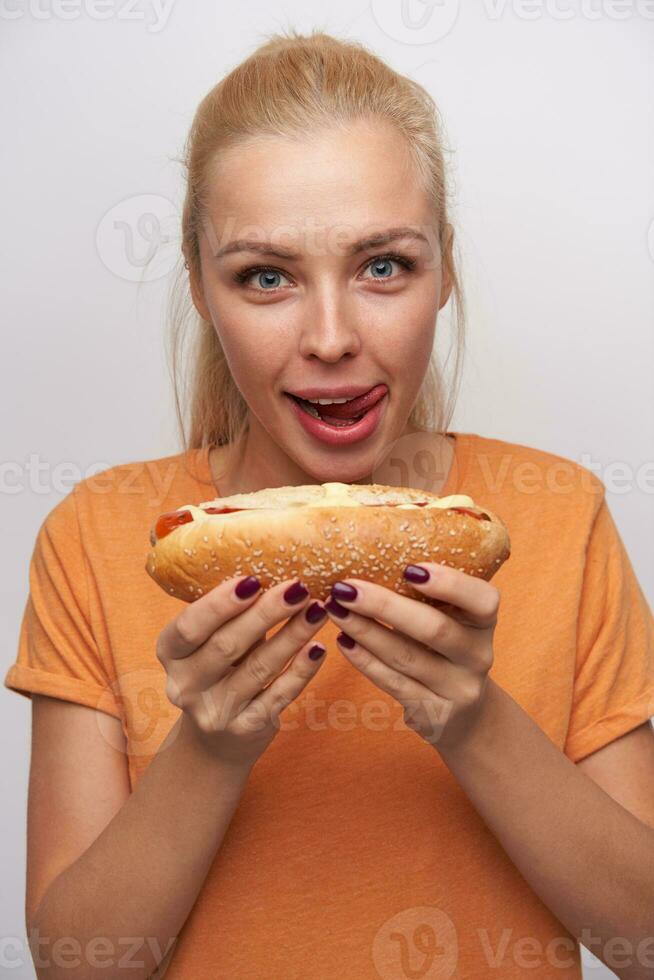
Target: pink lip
column 340, row 436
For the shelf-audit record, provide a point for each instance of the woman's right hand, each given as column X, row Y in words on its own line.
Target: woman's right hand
column 219, row 662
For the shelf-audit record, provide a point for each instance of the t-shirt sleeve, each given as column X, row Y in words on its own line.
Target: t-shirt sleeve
column 614, row 676
column 57, row 651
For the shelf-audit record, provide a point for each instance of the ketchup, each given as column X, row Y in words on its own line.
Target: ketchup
column 422, row 503
column 168, row 522
column 174, row 518
column 466, row 510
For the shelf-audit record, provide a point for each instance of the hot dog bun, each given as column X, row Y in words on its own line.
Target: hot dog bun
column 321, row 533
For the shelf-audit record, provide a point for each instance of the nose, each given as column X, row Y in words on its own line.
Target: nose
column 329, row 330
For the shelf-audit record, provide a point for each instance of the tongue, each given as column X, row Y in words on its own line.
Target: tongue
column 353, row 408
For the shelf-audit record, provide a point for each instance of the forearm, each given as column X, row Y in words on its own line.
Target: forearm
column 141, row 876
column 588, row 859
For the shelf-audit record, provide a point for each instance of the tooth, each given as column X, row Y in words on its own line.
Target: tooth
column 327, row 401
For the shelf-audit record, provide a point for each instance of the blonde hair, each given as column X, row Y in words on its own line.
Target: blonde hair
column 290, row 85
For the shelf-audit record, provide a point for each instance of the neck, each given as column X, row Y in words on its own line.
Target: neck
column 416, row 458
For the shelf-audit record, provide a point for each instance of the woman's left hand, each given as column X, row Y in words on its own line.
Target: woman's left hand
column 434, row 661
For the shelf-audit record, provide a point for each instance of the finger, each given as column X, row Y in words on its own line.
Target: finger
column 401, row 654
column 421, row 622
column 262, row 665
column 200, row 619
column 285, row 688
column 198, row 622
column 411, row 694
column 477, row 598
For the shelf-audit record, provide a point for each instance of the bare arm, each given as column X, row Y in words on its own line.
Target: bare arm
column 132, row 866
column 142, row 874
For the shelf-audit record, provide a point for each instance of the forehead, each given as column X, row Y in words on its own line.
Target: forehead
column 359, row 176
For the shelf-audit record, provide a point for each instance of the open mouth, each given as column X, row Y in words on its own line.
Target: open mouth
column 342, row 414
column 322, row 412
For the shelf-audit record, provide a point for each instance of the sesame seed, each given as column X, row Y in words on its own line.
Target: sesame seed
column 452, row 531
column 187, row 552
column 473, row 554
column 248, row 542
column 206, row 568
column 205, row 538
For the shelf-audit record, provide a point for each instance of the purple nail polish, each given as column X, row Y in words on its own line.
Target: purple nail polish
column 341, row 590
column 336, row 608
column 295, row 593
column 416, row 573
column 247, row 587
column 316, row 651
column 315, row 613
column 346, row 640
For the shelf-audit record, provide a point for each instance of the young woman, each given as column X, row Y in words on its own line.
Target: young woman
column 465, row 791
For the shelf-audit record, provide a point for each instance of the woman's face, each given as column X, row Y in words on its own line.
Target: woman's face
column 309, row 306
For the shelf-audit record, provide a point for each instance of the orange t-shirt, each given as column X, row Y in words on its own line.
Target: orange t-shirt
column 353, row 851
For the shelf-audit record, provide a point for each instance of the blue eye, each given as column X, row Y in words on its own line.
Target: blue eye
column 268, row 274
column 385, row 260
column 265, row 276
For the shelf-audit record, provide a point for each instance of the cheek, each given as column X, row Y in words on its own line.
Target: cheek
column 255, row 350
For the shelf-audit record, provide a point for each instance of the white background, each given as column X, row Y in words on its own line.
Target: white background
column 548, row 111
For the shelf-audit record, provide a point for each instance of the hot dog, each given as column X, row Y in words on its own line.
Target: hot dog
column 321, row 533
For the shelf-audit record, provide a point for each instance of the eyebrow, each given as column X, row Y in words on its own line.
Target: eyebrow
column 267, row 248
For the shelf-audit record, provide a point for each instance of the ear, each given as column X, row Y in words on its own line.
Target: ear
column 446, row 265
column 197, row 292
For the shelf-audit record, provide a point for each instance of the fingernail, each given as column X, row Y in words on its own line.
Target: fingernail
column 315, row 613
column 295, row 593
column 336, row 608
column 316, row 651
column 346, row 640
column 247, row 587
column 416, row 573
column 341, row 590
